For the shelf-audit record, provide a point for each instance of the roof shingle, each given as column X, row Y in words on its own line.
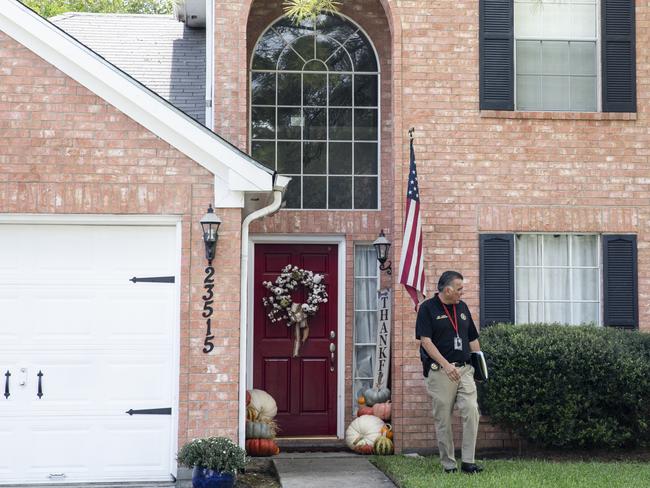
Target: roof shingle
column 157, row 50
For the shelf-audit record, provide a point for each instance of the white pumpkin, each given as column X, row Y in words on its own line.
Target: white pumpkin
column 363, row 431
column 264, row 404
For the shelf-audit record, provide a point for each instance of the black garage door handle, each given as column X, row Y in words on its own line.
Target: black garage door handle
column 151, row 411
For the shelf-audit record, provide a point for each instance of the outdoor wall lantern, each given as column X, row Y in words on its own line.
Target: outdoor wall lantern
column 382, row 246
column 210, row 224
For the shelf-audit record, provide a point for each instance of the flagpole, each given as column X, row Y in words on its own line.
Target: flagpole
column 411, row 269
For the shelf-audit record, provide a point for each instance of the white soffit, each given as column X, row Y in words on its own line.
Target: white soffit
column 133, row 99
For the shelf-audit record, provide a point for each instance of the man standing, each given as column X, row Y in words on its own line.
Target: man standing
column 447, row 334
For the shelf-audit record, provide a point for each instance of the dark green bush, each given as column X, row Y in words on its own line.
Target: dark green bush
column 567, row 386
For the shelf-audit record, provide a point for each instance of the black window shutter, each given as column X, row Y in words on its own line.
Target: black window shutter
column 618, row 56
column 497, row 280
column 496, row 63
column 620, row 281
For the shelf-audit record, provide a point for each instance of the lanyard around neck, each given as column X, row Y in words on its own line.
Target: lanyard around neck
column 454, row 321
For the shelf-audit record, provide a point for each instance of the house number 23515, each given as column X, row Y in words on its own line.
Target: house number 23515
column 208, row 300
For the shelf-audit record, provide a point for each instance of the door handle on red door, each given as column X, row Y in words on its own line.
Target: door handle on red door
column 332, row 359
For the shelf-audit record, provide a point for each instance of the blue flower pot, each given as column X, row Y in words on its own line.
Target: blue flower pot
column 207, row 478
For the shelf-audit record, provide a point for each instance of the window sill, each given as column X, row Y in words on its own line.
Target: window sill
column 506, row 114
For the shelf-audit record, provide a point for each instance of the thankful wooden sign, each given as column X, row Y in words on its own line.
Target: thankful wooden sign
column 382, row 362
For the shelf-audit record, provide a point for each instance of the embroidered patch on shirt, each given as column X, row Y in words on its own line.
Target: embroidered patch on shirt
column 463, row 316
column 441, row 317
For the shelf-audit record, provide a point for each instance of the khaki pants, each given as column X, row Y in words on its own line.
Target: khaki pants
column 445, row 393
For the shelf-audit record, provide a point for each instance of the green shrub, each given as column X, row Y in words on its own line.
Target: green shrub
column 568, row 386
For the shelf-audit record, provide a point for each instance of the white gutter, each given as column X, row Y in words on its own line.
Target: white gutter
column 243, row 305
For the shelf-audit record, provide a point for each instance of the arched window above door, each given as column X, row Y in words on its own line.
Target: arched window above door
column 315, row 112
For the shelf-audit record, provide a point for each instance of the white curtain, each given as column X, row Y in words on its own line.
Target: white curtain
column 365, row 318
column 557, row 278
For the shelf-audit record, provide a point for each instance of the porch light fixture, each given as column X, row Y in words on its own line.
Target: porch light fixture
column 382, row 246
column 210, row 224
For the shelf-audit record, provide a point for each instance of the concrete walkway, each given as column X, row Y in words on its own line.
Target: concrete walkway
column 328, row 470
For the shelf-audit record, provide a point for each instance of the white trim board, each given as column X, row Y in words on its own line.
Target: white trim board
column 340, row 361
column 133, row 99
column 89, row 219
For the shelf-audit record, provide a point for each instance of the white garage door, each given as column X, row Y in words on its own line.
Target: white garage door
column 80, row 345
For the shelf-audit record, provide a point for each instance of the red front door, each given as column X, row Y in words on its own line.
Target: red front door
column 304, row 387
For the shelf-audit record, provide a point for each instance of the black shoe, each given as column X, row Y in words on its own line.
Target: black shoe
column 451, row 470
column 470, row 468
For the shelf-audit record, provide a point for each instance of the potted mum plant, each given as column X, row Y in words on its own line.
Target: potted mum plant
column 215, row 461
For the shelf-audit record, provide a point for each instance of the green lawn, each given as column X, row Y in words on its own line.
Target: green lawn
column 426, row 472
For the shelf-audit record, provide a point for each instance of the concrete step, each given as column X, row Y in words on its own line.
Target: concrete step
column 311, row 444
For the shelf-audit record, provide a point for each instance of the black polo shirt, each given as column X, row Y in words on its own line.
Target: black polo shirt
column 432, row 322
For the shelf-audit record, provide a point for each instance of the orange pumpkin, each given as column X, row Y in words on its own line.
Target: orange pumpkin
column 387, row 431
column 261, row 447
column 363, row 448
column 364, row 411
column 361, row 400
column 382, row 410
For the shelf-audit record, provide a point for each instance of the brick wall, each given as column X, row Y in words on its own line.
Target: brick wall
column 506, row 172
column 478, row 171
column 63, row 150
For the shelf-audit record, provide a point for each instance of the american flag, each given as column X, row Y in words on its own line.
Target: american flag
column 411, row 268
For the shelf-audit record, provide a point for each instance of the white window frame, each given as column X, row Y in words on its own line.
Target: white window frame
column 354, row 325
column 541, row 267
column 598, row 39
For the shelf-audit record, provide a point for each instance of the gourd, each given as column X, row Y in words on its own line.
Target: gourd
column 251, row 413
column 248, row 398
column 373, row 396
column 387, row 430
column 262, row 447
column 364, row 411
column 382, row 410
column 363, row 432
column 383, row 446
column 361, row 400
column 259, row 430
column 264, row 404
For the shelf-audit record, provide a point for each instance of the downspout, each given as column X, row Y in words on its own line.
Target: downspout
column 209, row 64
column 243, row 300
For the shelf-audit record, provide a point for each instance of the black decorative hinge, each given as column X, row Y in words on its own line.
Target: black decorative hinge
column 40, row 385
column 7, row 375
column 151, row 411
column 155, row 279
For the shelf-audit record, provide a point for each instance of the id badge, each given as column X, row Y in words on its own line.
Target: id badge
column 458, row 343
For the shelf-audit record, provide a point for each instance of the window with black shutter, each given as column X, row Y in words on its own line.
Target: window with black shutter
column 556, row 278
column 620, row 281
column 541, row 55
